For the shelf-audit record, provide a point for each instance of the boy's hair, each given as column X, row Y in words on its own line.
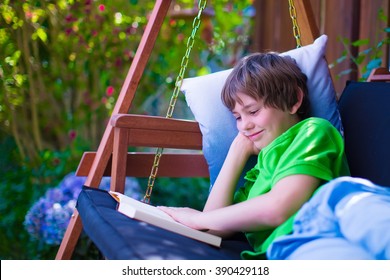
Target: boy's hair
column 269, row 77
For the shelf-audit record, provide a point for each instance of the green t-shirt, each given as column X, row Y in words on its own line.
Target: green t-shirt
column 311, row 147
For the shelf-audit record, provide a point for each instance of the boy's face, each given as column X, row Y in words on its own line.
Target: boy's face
column 261, row 124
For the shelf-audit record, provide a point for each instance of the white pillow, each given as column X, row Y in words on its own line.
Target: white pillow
column 217, row 124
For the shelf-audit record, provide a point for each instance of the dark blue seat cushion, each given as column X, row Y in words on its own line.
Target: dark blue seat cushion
column 365, row 114
column 119, row 237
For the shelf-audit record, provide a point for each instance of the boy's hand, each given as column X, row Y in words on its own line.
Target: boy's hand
column 184, row 215
column 243, row 144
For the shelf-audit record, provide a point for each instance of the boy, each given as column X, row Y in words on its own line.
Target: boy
column 267, row 94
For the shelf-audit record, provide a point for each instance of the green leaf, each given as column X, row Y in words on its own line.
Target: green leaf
column 345, row 41
column 203, row 71
column 381, row 15
column 359, row 60
column 345, row 72
column 341, row 59
column 42, row 34
column 361, row 42
column 379, row 45
column 375, row 63
column 367, row 51
column 19, row 79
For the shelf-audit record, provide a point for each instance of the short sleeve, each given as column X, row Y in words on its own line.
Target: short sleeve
column 316, row 150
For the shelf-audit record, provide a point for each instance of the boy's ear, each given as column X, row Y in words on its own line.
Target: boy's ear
column 294, row 109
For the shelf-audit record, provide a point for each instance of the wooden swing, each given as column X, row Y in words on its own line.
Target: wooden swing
column 123, row 130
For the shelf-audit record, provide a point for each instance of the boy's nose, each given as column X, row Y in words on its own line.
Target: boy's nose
column 246, row 124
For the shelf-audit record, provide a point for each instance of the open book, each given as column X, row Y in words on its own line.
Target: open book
column 152, row 215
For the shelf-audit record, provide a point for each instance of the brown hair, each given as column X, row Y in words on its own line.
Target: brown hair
column 269, row 77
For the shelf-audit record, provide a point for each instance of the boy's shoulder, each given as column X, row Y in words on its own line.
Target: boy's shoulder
column 314, row 127
column 315, row 121
column 316, row 124
column 311, row 130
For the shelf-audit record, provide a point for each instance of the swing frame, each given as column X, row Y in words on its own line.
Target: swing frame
column 123, row 129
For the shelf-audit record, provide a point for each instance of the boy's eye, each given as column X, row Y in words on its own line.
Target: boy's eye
column 253, row 112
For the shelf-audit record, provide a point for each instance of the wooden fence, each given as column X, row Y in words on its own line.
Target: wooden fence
column 351, row 19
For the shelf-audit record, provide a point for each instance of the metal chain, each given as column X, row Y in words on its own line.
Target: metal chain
column 296, row 30
column 179, row 81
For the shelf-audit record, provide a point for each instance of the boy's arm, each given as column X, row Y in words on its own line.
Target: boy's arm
column 222, row 193
column 263, row 212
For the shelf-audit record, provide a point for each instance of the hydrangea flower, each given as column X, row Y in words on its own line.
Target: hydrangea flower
column 48, row 218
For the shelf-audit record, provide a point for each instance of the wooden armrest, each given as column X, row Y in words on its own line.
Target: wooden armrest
column 379, row 75
column 151, row 131
column 153, row 123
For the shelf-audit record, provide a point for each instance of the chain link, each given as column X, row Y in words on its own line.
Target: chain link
column 178, row 83
column 296, row 30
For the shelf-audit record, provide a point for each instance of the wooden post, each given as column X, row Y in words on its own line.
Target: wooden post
column 306, row 21
column 122, row 105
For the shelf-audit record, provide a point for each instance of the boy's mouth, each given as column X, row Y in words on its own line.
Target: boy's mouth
column 255, row 135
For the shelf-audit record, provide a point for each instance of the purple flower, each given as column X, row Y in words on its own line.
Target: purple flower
column 48, row 218
column 71, row 186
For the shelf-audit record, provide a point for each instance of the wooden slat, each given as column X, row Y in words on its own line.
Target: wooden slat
column 341, row 19
column 273, row 28
column 306, row 21
column 160, row 138
column 379, row 75
column 153, row 123
column 139, row 165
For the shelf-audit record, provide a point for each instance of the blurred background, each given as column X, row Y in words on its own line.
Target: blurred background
column 62, row 66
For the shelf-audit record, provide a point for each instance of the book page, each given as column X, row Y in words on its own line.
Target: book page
column 141, row 206
column 154, row 216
